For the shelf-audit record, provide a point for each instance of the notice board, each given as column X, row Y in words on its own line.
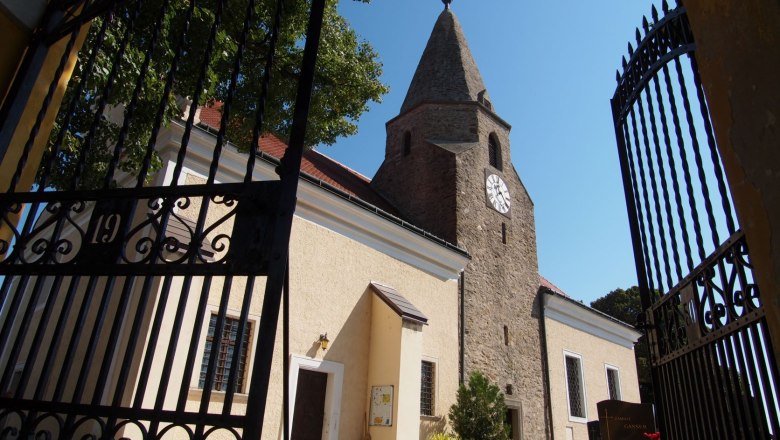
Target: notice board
column 381, row 406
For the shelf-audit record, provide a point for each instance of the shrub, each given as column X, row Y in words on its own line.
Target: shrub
column 479, row 411
column 442, row 436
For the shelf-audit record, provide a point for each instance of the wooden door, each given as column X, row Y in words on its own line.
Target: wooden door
column 309, row 411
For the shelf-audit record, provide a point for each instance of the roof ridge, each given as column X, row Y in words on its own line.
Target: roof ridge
column 346, row 167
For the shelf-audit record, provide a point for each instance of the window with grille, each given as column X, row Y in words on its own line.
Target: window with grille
column 575, row 386
column 494, row 152
column 228, row 340
column 613, row 383
column 427, row 389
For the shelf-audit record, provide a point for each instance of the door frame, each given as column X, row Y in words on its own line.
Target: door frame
column 335, row 372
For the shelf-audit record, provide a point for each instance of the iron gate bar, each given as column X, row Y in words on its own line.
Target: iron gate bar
column 290, row 169
column 675, row 183
column 664, row 185
column 88, row 66
column 191, row 353
column 131, row 106
column 640, row 162
column 714, row 416
column 100, row 107
column 657, row 204
column 185, row 139
column 697, row 157
column 636, row 222
column 686, row 172
column 705, row 364
column 713, row 149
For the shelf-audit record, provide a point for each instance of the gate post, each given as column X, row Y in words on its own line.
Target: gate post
column 26, row 74
column 738, row 59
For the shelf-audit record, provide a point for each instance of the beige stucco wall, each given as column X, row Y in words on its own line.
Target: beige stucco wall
column 395, row 353
column 384, row 367
column 596, row 353
column 409, row 380
column 329, row 279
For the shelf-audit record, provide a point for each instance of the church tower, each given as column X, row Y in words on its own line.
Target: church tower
column 447, row 169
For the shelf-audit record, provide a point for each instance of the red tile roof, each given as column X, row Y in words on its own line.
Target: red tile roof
column 545, row 283
column 314, row 163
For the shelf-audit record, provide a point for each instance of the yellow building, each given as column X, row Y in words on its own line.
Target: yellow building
column 590, row 358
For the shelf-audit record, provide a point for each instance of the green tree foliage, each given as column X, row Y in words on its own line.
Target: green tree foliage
column 479, row 411
column 626, row 305
column 441, row 436
column 347, row 78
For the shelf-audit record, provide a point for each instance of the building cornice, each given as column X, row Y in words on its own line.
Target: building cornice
column 327, row 207
column 587, row 320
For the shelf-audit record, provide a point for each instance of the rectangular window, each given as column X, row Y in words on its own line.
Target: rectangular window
column 613, row 383
column 427, row 389
column 575, row 386
column 228, row 342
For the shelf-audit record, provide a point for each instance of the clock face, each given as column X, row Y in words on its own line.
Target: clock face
column 497, row 193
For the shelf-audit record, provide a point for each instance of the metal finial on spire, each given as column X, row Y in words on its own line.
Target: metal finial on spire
column 446, row 3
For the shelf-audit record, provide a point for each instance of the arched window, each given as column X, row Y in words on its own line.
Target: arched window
column 407, row 143
column 494, row 152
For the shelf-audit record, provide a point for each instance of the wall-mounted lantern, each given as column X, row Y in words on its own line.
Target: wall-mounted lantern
column 324, row 341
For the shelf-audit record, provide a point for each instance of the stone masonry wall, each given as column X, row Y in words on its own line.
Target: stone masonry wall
column 422, row 184
column 502, row 281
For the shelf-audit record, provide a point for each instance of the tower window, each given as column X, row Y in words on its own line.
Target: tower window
column 503, row 233
column 407, row 143
column 506, row 335
column 494, row 152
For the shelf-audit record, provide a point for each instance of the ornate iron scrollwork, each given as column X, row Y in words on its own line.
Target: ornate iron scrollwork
column 709, row 302
column 152, row 233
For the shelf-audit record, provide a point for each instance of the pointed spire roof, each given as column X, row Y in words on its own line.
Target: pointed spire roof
column 447, row 71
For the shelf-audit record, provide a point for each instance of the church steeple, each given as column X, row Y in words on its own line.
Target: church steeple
column 448, row 170
column 447, row 71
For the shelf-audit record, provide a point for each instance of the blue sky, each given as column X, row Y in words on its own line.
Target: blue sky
column 549, row 67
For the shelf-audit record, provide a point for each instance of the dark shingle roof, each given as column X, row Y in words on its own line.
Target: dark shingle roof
column 398, row 303
column 447, row 71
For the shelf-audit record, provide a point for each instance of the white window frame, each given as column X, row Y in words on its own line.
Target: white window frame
column 335, row 372
column 608, row 367
column 583, row 388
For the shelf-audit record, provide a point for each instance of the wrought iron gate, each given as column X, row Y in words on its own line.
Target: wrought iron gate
column 136, row 303
column 714, row 370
